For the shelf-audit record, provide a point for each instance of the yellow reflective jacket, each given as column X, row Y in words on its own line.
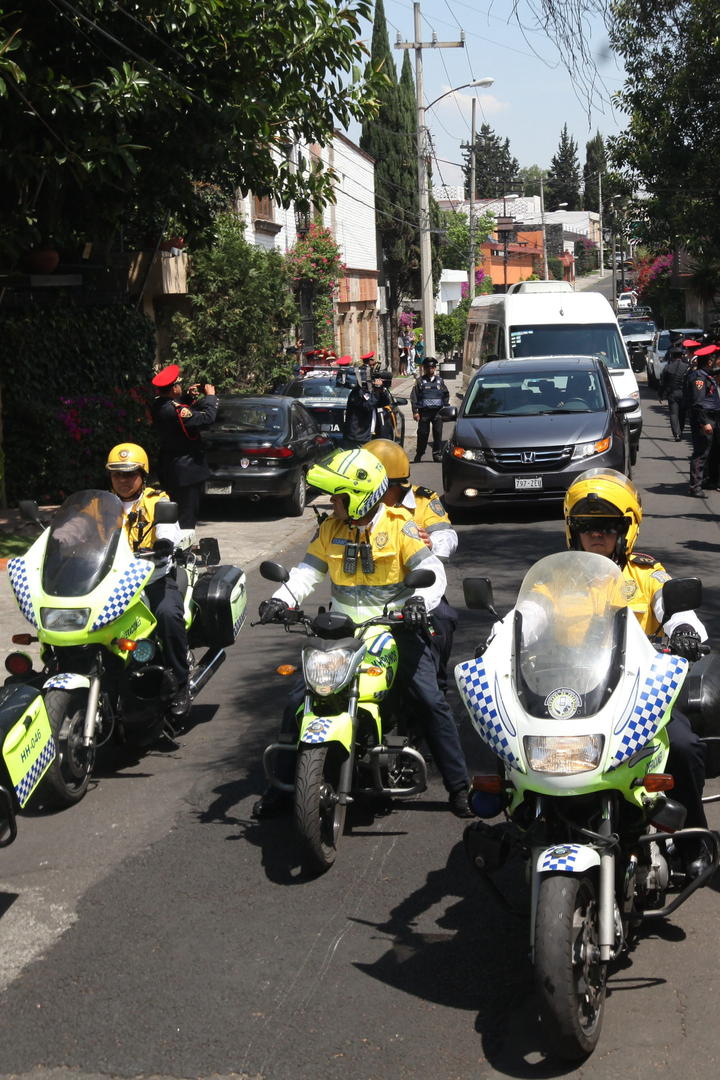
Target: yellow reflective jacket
column 138, row 521
column 643, row 575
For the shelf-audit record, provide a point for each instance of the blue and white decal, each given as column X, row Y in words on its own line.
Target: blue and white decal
column 493, row 726
column 17, row 574
column 567, row 858
column 66, row 681
column 317, row 729
column 658, row 690
column 133, row 577
column 25, row 788
column 380, row 643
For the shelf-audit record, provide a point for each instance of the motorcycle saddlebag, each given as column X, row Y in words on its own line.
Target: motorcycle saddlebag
column 221, row 598
column 699, row 699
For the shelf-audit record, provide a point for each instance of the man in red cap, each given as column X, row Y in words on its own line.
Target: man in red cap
column 179, row 418
column 704, row 402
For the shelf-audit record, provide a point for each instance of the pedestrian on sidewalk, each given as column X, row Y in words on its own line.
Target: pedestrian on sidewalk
column 428, row 397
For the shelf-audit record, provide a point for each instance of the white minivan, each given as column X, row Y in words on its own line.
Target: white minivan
column 501, row 326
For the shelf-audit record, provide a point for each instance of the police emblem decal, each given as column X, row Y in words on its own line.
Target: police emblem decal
column 381, row 540
column 124, row 454
column 629, row 589
column 563, row 703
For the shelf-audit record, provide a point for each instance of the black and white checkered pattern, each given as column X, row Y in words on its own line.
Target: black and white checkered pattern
column 17, row 573
column 132, row 578
column 474, row 686
column 661, row 684
column 25, row 787
column 560, row 858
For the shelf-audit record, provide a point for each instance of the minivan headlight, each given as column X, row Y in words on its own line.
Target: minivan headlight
column 327, row 672
column 589, row 449
column 475, row 454
column 563, row 755
column 58, row 618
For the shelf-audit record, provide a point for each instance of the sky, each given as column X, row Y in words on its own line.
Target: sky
column 533, row 94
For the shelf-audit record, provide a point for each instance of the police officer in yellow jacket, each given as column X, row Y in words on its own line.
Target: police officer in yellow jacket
column 603, row 512
column 128, row 466
column 435, row 529
column 367, row 548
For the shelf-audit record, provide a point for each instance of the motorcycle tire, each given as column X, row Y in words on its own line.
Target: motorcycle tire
column 67, row 779
column 569, row 977
column 319, row 817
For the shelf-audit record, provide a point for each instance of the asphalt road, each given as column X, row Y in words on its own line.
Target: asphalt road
column 155, row 930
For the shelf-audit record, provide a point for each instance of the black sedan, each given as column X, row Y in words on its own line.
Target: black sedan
column 528, row 427
column 326, row 398
column 263, row 446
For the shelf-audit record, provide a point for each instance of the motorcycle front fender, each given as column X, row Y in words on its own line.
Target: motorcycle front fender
column 567, row 858
column 315, row 730
column 66, row 681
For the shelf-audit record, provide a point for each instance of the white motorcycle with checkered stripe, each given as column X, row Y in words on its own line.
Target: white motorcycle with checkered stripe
column 574, row 702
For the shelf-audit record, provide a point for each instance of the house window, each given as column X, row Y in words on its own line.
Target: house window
column 263, row 208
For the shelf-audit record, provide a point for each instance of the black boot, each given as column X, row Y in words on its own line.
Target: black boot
column 272, row 803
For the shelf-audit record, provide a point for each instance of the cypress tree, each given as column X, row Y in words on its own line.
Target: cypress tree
column 563, row 183
column 595, row 164
column 496, row 170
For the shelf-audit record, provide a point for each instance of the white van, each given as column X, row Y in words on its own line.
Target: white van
column 501, row 326
column 540, row 286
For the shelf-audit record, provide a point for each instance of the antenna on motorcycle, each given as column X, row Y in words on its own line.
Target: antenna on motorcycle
column 478, row 593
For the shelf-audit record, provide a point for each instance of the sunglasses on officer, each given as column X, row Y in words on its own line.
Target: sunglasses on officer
column 599, row 524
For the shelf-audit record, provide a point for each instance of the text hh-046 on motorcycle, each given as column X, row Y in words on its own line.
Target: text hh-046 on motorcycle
column 343, row 750
column 81, row 586
column 575, row 701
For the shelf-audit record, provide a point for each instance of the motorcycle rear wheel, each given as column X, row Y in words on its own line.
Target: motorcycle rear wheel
column 67, row 779
column 319, row 817
column 569, row 976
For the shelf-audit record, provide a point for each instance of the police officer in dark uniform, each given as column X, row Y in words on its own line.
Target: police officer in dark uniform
column 673, row 387
column 704, row 401
column 179, row 419
column 363, row 403
column 429, row 395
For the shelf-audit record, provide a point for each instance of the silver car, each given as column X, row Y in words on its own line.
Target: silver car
column 661, row 342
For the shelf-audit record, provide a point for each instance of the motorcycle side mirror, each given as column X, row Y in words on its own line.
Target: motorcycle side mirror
column 448, row 412
column 681, row 594
column 31, row 511
column 478, row 593
column 210, row 550
column 401, row 401
column 419, row 579
column 166, row 512
column 274, row 571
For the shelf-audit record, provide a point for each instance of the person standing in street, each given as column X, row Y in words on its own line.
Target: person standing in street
column 179, row 419
column 704, row 400
column 673, row 389
column 429, row 396
column 364, row 402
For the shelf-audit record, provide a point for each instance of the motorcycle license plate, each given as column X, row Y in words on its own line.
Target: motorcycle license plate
column 525, row 483
column 218, row 489
column 329, row 427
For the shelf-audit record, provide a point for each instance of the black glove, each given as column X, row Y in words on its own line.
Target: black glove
column 163, row 548
column 684, row 641
column 415, row 613
column 272, row 610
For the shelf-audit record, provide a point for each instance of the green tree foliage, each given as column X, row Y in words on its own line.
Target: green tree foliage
column 496, row 170
column 110, row 113
column 671, row 145
column 242, row 305
column 455, row 253
column 595, row 166
column 563, row 182
column 530, row 178
column 390, row 137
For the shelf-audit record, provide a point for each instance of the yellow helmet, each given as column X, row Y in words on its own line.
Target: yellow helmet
column 127, row 457
column 393, row 457
column 603, row 493
column 354, row 473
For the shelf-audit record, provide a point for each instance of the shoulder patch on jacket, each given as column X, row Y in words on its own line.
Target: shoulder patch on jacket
column 437, row 507
column 424, row 493
column 639, row 558
column 411, row 529
column 184, row 412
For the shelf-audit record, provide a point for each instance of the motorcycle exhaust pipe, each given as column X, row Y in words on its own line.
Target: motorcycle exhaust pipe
column 207, row 667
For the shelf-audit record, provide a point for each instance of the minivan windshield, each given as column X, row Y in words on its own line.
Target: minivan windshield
column 570, row 339
column 521, row 394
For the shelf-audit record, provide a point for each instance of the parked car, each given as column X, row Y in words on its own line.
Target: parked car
column 325, row 400
column 527, row 428
column 263, row 446
column 626, row 301
column 661, row 342
column 638, row 336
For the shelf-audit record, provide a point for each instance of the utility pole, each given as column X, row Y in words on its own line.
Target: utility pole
column 542, row 219
column 600, row 210
column 426, row 283
column 471, row 209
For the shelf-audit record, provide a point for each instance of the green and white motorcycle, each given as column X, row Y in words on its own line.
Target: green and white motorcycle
column 81, row 587
column 574, row 701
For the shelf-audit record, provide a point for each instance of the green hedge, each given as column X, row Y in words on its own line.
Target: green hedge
column 74, row 383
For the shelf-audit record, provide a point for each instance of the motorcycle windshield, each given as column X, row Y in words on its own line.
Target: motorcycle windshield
column 569, row 634
column 82, row 543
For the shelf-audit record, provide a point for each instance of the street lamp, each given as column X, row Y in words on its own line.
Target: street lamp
column 426, row 284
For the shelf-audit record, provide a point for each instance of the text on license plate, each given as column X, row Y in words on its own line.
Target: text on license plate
column 523, row 483
column 329, row 427
column 218, row 489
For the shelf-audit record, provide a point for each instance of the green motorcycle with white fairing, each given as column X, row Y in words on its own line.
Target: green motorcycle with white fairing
column 80, row 585
column 574, row 701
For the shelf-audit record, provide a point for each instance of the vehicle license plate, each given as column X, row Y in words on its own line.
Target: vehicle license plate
column 218, row 489
column 329, row 427
column 522, row 483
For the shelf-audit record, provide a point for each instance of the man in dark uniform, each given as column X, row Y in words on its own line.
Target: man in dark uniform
column 363, row 403
column 704, row 400
column 672, row 389
column 179, row 418
column 429, row 395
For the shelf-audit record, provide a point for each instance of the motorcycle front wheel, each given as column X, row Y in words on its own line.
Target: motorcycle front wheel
column 569, row 975
column 67, row 779
column 319, row 816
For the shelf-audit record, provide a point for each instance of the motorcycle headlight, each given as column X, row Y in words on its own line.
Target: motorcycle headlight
column 326, row 672
column 563, row 755
column 589, row 449
column 59, row 618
